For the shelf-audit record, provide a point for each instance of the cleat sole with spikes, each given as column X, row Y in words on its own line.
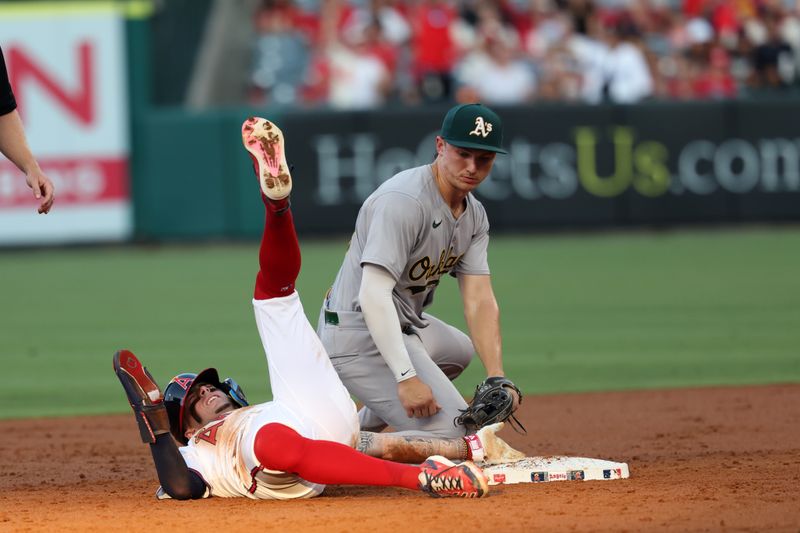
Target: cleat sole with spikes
column 264, row 142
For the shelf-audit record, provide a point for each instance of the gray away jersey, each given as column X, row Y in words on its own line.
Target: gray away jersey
column 406, row 227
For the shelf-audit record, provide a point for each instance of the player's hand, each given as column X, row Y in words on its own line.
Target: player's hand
column 42, row 189
column 417, row 398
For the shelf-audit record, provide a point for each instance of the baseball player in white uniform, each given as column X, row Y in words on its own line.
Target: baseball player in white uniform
column 302, row 440
column 416, row 227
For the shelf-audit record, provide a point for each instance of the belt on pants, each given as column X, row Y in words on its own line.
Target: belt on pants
column 331, row 317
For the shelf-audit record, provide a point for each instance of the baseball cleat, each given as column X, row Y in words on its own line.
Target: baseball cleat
column 442, row 477
column 264, row 142
column 490, row 448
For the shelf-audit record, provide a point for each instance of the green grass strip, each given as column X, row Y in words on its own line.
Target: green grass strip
column 579, row 313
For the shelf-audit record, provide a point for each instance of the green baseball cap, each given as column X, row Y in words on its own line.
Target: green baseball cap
column 473, row 126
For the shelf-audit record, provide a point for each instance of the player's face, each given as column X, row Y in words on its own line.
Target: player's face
column 463, row 169
column 205, row 403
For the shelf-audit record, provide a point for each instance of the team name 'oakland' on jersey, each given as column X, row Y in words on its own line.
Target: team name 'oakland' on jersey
column 406, row 227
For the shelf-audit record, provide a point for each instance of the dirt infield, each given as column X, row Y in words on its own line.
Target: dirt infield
column 701, row 460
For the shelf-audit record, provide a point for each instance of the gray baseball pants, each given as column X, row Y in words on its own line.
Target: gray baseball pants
column 439, row 354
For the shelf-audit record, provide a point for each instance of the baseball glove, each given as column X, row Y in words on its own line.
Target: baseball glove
column 492, row 403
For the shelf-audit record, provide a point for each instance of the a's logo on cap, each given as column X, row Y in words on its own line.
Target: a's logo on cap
column 482, row 128
column 185, row 383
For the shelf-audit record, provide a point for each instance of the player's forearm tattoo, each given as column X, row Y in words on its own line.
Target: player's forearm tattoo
column 409, row 449
column 366, row 444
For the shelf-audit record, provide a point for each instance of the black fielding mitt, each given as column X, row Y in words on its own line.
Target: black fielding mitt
column 493, row 403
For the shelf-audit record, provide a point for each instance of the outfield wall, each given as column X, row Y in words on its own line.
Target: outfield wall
column 568, row 166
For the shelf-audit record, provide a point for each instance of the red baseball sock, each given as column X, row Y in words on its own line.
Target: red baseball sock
column 279, row 255
column 279, row 447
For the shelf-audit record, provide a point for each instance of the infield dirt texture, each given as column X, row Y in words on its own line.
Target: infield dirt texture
column 721, row 459
column 674, row 352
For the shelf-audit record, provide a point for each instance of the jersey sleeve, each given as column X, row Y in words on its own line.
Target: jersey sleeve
column 475, row 260
column 7, row 101
column 393, row 223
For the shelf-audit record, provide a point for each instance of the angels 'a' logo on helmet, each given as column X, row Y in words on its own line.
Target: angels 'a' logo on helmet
column 183, row 382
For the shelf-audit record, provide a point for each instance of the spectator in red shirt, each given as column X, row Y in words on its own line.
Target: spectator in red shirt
column 715, row 81
column 434, row 51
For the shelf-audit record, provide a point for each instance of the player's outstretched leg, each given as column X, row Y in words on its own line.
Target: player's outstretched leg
column 279, row 255
column 281, row 448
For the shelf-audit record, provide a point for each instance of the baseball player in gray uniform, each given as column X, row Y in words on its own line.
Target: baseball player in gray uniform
column 416, row 227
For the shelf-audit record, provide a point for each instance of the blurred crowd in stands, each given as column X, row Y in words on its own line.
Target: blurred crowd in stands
column 363, row 54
